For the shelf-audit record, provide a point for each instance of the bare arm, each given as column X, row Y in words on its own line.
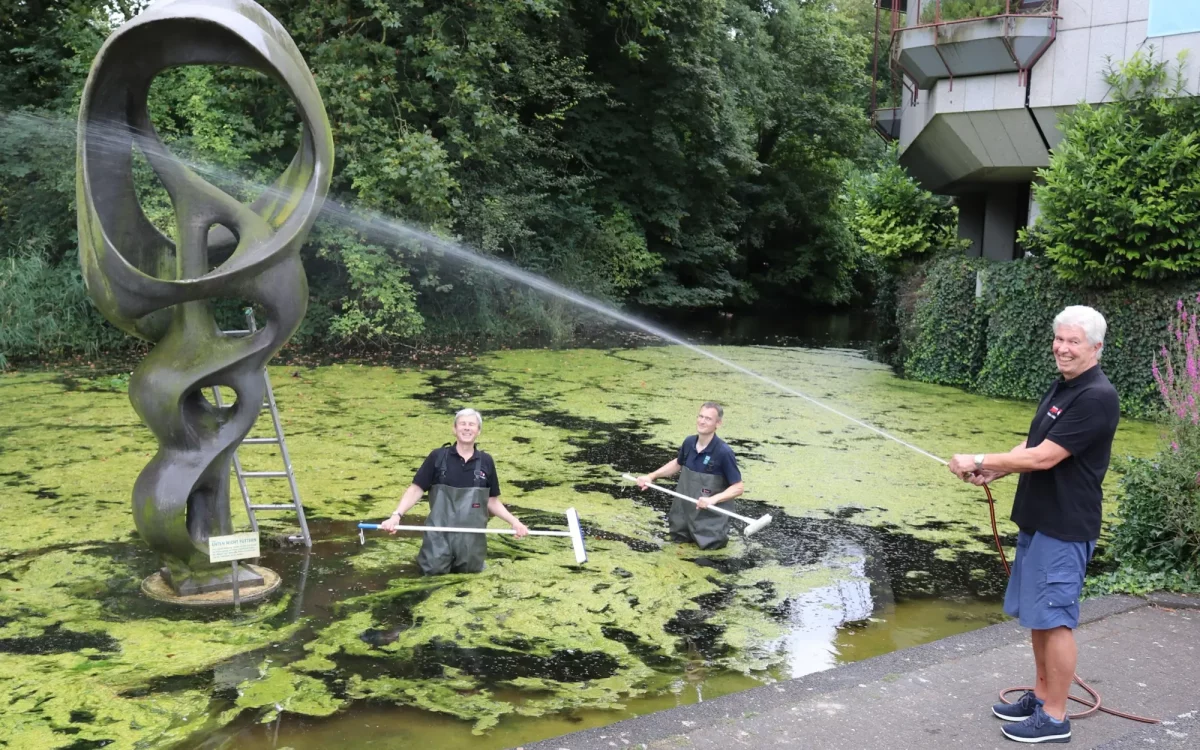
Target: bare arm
column 669, row 469
column 1020, row 460
column 729, row 493
column 989, row 475
column 411, row 497
column 1046, row 455
column 496, row 508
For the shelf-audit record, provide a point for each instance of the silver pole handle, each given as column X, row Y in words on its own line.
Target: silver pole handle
column 692, row 500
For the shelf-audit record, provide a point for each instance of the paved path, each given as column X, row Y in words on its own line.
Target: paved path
column 1144, row 659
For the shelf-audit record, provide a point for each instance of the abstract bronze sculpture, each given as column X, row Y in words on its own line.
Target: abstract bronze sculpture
column 159, row 290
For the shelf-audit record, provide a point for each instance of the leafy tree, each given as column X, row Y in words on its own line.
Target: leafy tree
column 894, row 218
column 670, row 153
column 1121, row 197
column 801, row 84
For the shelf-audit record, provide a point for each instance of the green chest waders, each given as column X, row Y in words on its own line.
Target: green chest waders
column 688, row 523
column 447, row 552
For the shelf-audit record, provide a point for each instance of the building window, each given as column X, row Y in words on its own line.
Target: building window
column 1172, row 17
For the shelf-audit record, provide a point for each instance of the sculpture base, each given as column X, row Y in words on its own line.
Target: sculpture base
column 156, row 587
column 206, row 578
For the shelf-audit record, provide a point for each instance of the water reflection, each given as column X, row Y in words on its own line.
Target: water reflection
column 814, row 618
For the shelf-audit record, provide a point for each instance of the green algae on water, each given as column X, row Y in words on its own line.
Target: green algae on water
column 534, row 634
column 283, row 690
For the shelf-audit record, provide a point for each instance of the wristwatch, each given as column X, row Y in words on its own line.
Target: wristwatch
column 978, row 462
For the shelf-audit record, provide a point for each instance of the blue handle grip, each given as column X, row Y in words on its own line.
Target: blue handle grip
column 368, row 526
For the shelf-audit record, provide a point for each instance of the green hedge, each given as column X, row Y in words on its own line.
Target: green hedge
column 999, row 344
column 945, row 331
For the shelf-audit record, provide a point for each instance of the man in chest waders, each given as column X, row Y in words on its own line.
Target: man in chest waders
column 463, row 490
column 709, row 473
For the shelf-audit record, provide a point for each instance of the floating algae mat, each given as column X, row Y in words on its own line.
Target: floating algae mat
column 873, row 548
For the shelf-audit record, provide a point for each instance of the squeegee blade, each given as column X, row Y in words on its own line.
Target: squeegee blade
column 576, row 536
column 757, row 526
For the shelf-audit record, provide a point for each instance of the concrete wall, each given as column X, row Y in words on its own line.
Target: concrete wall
column 967, row 133
column 971, row 207
column 990, row 220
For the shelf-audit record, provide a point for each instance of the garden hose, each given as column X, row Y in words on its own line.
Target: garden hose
column 1092, row 705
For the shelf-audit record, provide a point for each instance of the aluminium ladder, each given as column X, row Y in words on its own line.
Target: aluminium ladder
column 287, row 472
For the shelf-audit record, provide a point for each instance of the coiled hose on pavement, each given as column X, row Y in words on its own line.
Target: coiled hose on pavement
column 1093, row 705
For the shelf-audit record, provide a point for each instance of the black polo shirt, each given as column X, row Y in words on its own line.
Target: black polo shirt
column 459, row 472
column 716, row 458
column 1065, row 501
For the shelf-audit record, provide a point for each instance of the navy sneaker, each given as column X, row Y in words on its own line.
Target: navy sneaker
column 1019, row 710
column 1039, row 728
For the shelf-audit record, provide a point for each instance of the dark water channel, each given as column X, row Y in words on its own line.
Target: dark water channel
column 892, row 587
column 879, row 610
column 901, row 592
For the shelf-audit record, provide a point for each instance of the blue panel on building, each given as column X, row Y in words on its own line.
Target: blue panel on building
column 1173, row 17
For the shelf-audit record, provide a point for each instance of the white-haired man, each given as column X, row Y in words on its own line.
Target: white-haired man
column 1062, row 464
column 463, row 489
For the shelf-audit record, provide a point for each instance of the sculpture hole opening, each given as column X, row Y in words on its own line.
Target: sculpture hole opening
column 230, row 315
column 222, row 240
column 228, row 396
column 155, row 204
column 239, row 141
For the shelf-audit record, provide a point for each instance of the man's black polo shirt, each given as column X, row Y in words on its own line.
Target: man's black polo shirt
column 1065, row 501
column 459, row 472
column 716, row 458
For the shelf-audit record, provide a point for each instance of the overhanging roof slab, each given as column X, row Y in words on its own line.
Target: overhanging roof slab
column 980, row 46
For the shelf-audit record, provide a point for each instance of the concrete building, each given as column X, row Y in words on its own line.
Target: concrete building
column 982, row 96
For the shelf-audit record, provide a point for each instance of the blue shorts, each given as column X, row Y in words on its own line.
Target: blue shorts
column 1047, row 578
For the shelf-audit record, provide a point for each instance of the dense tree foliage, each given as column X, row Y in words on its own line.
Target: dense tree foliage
column 894, row 218
column 1121, row 197
column 663, row 153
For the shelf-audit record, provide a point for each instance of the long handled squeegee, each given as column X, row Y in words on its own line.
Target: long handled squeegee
column 575, row 532
column 752, row 525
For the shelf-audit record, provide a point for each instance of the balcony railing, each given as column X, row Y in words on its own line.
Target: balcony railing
column 957, row 38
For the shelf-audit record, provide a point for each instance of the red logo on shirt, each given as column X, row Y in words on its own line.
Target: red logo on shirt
column 1054, row 412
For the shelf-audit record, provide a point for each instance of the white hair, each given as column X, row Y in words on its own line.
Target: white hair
column 469, row 413
column 1087, row 318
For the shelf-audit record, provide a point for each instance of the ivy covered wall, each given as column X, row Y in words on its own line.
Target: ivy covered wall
column 998, row 343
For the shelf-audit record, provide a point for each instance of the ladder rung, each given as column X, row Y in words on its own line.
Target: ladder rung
column 264, row 473
column 242, row 332
column 259, row 441
column 288, row 506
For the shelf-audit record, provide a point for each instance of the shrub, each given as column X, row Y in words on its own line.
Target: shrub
column 1159, row 510
column 947, row 341
column 894, row 218
column 45, row 312
column 954, row 10
column 1121, row 197
column 999, row 344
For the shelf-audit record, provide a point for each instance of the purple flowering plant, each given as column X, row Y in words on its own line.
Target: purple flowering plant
column 1176, row 367
column 1159, row 506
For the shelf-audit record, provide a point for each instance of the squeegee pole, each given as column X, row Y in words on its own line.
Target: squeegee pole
column 575, row 533
column 463, row 530
column 692, row 500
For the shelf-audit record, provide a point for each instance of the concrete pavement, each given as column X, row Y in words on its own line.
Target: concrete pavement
column 1143, row 658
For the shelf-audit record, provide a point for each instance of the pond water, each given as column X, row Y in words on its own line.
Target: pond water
column 873, row 548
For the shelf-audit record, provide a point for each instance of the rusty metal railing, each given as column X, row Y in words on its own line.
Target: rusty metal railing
column 930, row 15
